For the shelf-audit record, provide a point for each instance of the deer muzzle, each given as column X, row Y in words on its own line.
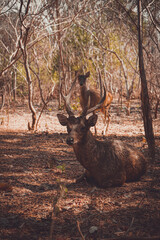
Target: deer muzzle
column 81, row 83
column 70, row 140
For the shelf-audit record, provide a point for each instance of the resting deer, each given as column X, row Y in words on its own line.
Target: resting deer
column 90, row 97
column 108, row 163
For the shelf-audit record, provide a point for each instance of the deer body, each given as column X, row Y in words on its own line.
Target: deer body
column 91, row 97
column 109, row 163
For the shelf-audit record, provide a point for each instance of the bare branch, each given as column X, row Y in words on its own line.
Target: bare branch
column 152, row 19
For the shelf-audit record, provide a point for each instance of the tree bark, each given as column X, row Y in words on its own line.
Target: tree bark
column 61, row 62
column 156, row 108
column 14, row 83
column 147, row 118
column 24, row 33
column 30, row 90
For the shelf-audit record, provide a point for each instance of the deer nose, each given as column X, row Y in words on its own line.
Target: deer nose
column 70, row 140
column 81, row 83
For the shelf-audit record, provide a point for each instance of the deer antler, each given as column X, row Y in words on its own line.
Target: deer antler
column 100, row 81
column 97, row 106
column 67, row 98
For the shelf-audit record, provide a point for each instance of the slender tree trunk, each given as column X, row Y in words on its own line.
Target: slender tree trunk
column 147, row 118
column 29, row 81
column 61, row 62
column 156, row 108
column 30, row 91
column 14, row 83
column 3, row 100
column 24, row 33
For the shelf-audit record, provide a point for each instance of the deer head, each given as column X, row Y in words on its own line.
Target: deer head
column 82, row 79
column 77, row 127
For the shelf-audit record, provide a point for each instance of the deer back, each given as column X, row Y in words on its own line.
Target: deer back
column 94, row 98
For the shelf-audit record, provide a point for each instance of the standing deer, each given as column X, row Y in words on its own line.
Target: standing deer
column 108, row 163
column 90, row 97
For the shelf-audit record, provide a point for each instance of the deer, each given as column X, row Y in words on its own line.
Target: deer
column 107, row 163
column 90, row 97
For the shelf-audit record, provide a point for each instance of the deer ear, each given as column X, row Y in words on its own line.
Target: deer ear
column 92, row 120
column 87, row 74
column 62, row 119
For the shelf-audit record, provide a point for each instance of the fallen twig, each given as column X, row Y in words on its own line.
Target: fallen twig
column 79, row 229
column 130, row 226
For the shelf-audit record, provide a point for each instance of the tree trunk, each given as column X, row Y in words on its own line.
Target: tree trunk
column 24, row 33
column 61, row 62
column 14, row 83
column 156, row 108
column 30, row 92
column 30, row 87
column 147, row 118
column 3, row 100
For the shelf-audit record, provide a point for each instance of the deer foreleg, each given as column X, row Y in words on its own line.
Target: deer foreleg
column 85, row 176
column 106, row 126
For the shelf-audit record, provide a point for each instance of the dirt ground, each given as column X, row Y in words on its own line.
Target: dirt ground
column 40, row 198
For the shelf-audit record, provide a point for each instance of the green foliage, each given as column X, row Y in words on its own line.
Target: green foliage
column 62, row 167
column 78, row 37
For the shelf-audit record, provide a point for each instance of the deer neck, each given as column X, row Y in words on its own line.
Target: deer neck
column 83, row 96
column 85, row 149
column 83, row 90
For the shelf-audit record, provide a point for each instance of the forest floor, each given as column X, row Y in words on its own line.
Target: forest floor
column 40, row 198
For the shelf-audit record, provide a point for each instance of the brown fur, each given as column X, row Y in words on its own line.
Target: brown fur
column 109, row 163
